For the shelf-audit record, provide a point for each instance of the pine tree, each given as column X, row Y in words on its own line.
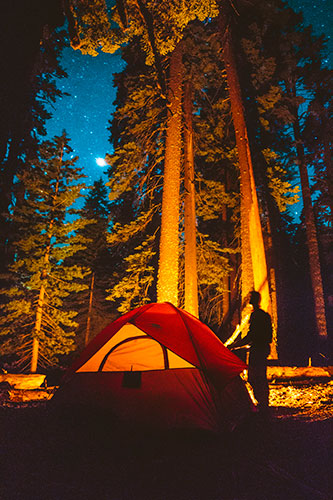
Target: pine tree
column 93, row 310
column 36, row 323
column 160, row 29
column 319, row 137
column 137, row 133
column 254, row 268
column 259, row 75
column 291, row 53
column 299, row 56
column 135, row 183
column 31, row 48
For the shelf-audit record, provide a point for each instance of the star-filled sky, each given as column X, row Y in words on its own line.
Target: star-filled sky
column 86, row 112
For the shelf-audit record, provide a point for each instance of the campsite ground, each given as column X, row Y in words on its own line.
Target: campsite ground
column 288, row 457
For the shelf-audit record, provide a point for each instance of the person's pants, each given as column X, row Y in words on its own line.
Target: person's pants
column 257, row 377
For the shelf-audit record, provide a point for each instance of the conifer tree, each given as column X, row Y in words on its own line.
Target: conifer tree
column 93, row 310
column 31, row 48
column 255, row 32
column 254, row 268
column 36, row 323
column 293, row 58
column 160, row 29
column 318, row 133
column 299, row 56
column 137, row 133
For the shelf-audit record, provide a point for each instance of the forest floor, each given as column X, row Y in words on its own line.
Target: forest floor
column 285, row 457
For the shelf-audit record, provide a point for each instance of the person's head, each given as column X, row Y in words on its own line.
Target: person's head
column 255, row 299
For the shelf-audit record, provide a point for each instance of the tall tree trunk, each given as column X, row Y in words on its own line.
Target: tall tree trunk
column 38, row 324
column 167, row 283
column 191, row 274
column 91, row 294
column 311, row 237
column 329, row 170
column 254, row 269
column 226, row 277
column 272, row 289
column 40, row 307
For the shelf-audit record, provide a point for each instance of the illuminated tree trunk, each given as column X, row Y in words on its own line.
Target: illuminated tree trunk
column 167, row 284
column 191, row 278
column 38, row 324
column 226, row 277
column 273, row 291
column 40, row 306
column 254, row 269
column 311, row 237
column 91, row 294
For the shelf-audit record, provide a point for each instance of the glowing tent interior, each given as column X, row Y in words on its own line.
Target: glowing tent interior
column 159, row 366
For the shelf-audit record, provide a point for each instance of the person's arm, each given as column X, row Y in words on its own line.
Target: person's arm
column 240, row 342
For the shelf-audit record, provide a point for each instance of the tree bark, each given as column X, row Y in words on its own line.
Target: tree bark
column 38, row 324
column 254, row 269
column 167, row 283
column 191, row 275
column 311, row 237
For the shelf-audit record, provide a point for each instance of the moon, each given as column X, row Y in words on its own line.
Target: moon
column 100, row 162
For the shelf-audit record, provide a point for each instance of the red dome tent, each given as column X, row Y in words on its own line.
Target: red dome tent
column 159, row 366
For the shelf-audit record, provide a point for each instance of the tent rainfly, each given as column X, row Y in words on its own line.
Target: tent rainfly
column 159, row 366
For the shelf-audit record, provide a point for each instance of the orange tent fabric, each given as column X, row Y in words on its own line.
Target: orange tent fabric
column 159, row 365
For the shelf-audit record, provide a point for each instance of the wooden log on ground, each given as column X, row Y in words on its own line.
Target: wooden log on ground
column 22, row 396
column 23, row 381
column 298, row 372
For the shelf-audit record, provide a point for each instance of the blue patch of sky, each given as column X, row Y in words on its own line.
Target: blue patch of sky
column 85, row 112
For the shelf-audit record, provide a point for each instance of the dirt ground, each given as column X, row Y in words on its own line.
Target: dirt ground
column 287, row 457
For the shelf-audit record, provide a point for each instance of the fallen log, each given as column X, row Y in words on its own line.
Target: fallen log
column 25, row 395
column 298, row 372
column 23, row 381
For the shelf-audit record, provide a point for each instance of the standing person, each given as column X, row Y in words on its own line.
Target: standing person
column 259, row 338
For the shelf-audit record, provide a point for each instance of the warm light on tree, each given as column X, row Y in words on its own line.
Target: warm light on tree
column 191, row 273
column 167, row 285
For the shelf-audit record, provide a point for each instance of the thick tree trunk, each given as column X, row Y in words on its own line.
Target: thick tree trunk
column 254, row 269
column 191, row 275
column 311, row 237
column 167, row 284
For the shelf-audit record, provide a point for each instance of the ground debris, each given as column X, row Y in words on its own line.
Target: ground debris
column 311, row 401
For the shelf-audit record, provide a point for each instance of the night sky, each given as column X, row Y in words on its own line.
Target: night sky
column 86, row 112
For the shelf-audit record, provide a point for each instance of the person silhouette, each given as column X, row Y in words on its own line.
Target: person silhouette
column 259, row 337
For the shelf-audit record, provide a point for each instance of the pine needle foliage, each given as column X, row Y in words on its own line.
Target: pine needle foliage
column 93, row 310
column 40, row 282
